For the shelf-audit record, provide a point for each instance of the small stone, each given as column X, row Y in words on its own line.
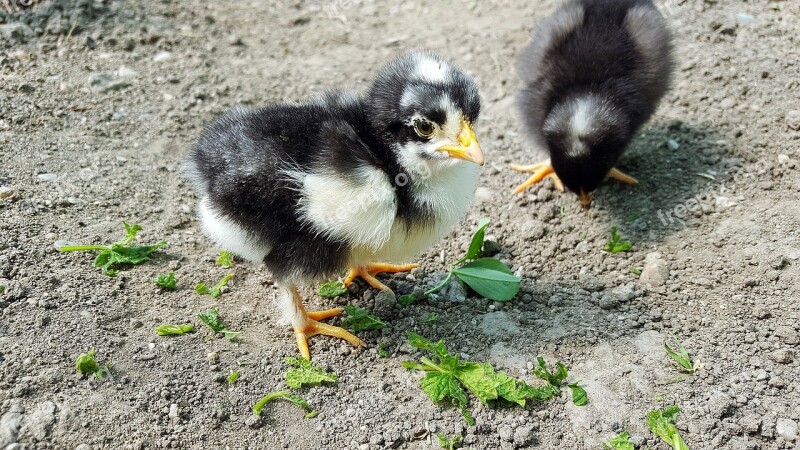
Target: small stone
column 491, row 248
column 47, row 177
column 40, row 422
column 777, row 382
column 162, row 56
column 786, row 428
column 135, row 323
column 655, row 271
column 782, row 356
column 454, row 292
column 793, row 119
column 590, row 282
column 750, row 423
column 173, row 411
column 522, row 435
column 212, row 357
column 783, row 159
column 787, row 334
column 533, row 230
column 673, row 144
column 608, row 301
column 254, row 421
column 582, row 247
column 83, row 447
column 744, row 19
column 506, row 433
column 727, row 103
column 722, row 203
column 484, row 195
column 126, row 72
column 26, row 88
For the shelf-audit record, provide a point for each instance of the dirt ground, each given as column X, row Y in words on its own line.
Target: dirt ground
column 100, row 101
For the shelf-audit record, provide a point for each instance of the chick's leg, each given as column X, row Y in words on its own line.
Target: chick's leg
column 368, row 272
column 540, row 171
column 306, row 323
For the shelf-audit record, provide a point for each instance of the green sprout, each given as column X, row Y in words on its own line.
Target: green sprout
column 212, row 319
column 121, row 254
column 215, row 291
column 174, row 330
column 225, row 259
column 360, row 320
column 678, row 353
column 167, row 281
column 615, row 244
column 662, row 423
column 288, row 396
column 86, row 365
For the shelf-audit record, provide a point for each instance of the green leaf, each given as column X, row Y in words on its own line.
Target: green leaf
column 554, row 378
column 476, row 244
column 446, row 379
column 167, row 281
column 382, row 351
column 406, row 300
column 2, row 288
column 216, row 291
column 303, row 373
column 212, row 319
column 332, row 289
column 636, row 271
column 120, row 254
column 233, row 377
column 284, row 395
column 360, row 320
column 489, row 278
column 225, row 259
column 86, row 365
column 448, row 444
column 662, row 423
column 620, row 442
column 615, row 244
column 678, row 353
column 174, row 330
column 579, row 397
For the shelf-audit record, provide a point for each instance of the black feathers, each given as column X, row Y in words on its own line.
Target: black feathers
column 593, row 73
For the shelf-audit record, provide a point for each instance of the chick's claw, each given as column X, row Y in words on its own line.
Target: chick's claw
column 540, row 171
column 621, row 176
column 367, row 273
column 312, row 328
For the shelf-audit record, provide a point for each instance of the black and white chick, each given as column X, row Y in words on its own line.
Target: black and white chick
column 593, row 73
column 342, row 181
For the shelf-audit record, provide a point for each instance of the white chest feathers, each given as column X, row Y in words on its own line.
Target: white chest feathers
column 361, row 209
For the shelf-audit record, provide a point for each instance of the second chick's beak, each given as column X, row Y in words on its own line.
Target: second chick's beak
column 585, row 198
column 467, row 147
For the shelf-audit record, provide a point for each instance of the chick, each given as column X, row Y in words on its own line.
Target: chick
column 342, row 181
column 593, row 73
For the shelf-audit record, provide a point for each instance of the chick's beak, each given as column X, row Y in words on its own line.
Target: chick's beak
column 467, row 148
column 585, row 198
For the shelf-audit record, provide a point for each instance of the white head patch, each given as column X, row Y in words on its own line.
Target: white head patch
column 429, row 69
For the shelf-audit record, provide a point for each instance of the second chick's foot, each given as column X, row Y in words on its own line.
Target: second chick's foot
column 368, row 272
column 540, row 171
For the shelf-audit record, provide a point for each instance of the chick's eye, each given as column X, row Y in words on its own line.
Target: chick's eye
column 423, row 128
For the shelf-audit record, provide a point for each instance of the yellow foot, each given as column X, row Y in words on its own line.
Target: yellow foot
column 312, row 327
column 621, row 177
column 367, row 273
column 540, row 171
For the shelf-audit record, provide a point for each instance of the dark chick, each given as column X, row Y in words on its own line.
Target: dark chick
column 342, row 181
column 592, row 75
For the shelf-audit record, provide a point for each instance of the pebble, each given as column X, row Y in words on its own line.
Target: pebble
column 41, row 420
column 582, row 247
column 787, row 429
column 16, row 31
column 533, row 230
column 744, row 19
column 673, row 144
column 47, row 177
column 126, row 72
column 522, row 435
column 506, row 433
column 162, row 56
column 793, row 119
column 787, row 334
column 722, row 203
column 173, row 411
column 254, row 421
column 484, row 195
column 135, row 323
column 83, row 447
column 454, row 292
column 655, row 271
column 782, row 356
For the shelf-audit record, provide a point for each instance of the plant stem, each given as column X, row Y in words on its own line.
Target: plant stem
column 79, row 248
column 440, row 285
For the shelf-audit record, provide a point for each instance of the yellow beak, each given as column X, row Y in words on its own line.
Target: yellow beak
column 586, row 199
column 468, row 148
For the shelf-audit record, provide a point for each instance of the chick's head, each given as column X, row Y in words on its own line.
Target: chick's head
column 424, row 108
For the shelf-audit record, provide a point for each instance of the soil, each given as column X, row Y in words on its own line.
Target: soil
column 100, row 101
